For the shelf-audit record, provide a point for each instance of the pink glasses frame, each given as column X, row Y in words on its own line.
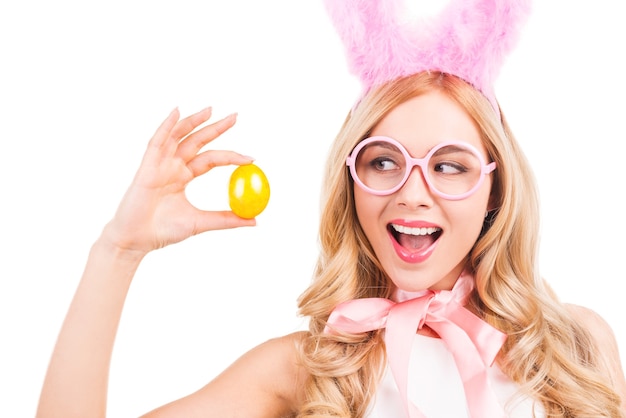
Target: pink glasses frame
column 421, row 162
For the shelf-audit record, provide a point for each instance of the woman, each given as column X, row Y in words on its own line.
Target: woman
column 562, row 357
column 557, row 353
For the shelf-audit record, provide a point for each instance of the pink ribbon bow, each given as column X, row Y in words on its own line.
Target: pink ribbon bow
column 473, row 343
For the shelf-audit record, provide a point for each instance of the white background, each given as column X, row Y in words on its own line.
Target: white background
column 83, row 85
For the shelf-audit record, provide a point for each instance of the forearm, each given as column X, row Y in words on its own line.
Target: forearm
column 77, row 377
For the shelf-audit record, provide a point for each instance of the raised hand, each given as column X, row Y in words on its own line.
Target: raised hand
column 155, row 211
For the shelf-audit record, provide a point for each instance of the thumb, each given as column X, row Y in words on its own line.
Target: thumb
column 217, row 220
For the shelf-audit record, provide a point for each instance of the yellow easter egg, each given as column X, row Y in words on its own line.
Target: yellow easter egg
column 248, row 191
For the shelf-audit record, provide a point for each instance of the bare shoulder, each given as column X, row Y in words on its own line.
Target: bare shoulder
column 597, row 326
column 267, row 381
column 605, row 344
column 282, row 356
column 279, row 367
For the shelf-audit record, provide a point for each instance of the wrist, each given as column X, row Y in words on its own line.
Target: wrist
column 115, row 249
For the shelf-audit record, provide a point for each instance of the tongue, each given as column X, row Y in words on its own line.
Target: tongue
column 415, row 242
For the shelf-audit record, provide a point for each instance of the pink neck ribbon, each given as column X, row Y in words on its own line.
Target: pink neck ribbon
column 473, row 343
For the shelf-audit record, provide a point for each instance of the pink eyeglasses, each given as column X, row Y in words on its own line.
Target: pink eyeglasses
column 453, row 170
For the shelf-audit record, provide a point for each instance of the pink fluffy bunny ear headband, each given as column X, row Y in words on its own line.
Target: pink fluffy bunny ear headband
column 468, row 39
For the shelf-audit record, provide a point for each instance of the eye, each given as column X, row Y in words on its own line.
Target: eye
column 384, row 164
column 450, row 168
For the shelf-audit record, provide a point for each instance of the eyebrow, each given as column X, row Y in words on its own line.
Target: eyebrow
column 453, row 148
column 386, row 145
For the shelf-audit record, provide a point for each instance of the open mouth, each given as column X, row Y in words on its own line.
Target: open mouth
column 414, row 239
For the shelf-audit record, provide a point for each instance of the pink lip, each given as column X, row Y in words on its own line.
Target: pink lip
column 414, row 224
column 409, row 256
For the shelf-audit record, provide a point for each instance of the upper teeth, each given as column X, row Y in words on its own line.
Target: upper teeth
column 414, row 231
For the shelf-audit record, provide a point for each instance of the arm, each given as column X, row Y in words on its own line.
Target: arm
column 265, row 382
column 153, row 213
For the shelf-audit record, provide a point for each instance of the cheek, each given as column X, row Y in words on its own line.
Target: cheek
column 368, row 209
column 464, row 227
column 469, row 212
column 470, row 217
column 361, row 206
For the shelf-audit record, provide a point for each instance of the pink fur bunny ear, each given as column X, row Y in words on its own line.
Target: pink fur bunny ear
column 469, row 39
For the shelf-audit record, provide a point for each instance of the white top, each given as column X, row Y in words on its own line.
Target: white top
column 436, row 389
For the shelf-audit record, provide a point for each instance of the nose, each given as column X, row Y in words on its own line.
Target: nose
column 415, row 192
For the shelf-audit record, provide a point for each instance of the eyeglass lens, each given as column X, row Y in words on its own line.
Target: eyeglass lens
column 452, row 169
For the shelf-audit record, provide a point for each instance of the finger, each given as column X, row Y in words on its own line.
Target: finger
column 163, row 132
column 207, row 160
column 215, row 220
column 187, row 125
column 190, row 146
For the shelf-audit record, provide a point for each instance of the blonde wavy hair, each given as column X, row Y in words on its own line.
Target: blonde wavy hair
column 547, row 352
